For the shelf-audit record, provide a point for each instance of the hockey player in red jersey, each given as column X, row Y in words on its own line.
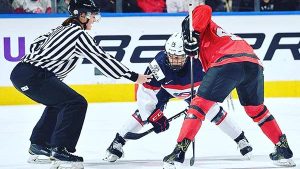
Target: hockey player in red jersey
column 229, row 62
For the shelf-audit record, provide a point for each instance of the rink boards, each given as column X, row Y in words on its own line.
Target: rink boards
column 135, row 40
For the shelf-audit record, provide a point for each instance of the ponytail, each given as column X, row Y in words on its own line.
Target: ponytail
column 73, row 20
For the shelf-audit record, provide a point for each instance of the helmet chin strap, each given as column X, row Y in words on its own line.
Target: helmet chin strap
column 84, row 23
column 88, row 17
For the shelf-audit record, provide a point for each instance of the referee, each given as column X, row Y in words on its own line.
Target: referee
column 40, row 73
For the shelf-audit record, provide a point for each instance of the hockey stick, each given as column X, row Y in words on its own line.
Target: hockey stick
column 192, row 160
column 230, row 104
column 135, row 136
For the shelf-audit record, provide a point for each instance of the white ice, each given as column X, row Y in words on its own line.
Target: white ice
column 214, row 149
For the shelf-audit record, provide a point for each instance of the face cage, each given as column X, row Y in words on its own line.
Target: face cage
column 88, row 14
column 97, row 16
column 176, row 64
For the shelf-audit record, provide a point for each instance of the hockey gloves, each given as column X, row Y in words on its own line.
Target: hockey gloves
column 190, row 44
column 159, row 121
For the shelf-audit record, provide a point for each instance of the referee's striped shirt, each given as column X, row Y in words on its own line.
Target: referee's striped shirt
column 60, row 50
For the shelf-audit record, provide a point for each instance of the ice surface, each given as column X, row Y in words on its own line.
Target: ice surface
column 214, row 149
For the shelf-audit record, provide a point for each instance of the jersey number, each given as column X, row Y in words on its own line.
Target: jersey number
column 222, row 33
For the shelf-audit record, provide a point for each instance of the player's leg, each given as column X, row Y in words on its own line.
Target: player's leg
column 251, row 95
column 134, row 124
column 69, row 121
column 43, row 87
column 225, row 122
column 40, row 149
column 115, row 149
column 215, row 87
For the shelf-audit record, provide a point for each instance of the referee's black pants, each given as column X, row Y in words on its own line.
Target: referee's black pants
column 63, row 117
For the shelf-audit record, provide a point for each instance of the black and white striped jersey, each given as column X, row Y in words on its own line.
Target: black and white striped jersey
column 61, row 49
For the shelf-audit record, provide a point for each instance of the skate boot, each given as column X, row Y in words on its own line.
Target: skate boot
column 176, row 158
column 65, row 160
column 115, row 150
column 39, row 154
column 245, row 149
column 283, row 154
column 244, row 146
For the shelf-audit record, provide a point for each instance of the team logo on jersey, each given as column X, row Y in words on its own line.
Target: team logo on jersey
column 156, row 70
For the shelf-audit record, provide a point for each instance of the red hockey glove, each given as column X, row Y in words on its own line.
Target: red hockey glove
column 159, row 121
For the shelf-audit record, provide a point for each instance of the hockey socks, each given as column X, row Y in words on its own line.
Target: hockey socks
column 271, row 129
column 261, row 115
column 193, row 120
column 224, row 121
column 133, row 124
column 190, row 128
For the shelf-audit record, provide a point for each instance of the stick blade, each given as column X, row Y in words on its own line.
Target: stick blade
column 192, row 161
column 133, row 136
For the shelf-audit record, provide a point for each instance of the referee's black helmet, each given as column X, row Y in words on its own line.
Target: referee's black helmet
column 76, row 7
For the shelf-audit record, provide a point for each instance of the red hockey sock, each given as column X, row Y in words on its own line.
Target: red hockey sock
column 261, row 115
column 189, row 129
column 271, row 130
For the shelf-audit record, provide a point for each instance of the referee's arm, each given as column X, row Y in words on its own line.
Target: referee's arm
column 106, row 63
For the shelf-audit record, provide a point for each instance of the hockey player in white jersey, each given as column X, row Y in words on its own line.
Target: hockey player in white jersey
column 171, row 71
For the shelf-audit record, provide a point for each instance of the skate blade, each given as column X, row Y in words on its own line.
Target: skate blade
column 67, row 165
column 39, row 159
column 109, row 157
column 285, row 163
column 247, row 156
column 175, row 165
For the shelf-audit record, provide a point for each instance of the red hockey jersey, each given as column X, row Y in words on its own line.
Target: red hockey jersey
column 216, row 46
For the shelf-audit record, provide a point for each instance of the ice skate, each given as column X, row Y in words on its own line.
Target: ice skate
column 65, row 160
column 176, row 158
column 245, row 149
column 115, row 150
column 39, row 154
column 283, row 154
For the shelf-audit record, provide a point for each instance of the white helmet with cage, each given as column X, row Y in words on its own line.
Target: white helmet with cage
column 174, row 44
column 174, row 49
